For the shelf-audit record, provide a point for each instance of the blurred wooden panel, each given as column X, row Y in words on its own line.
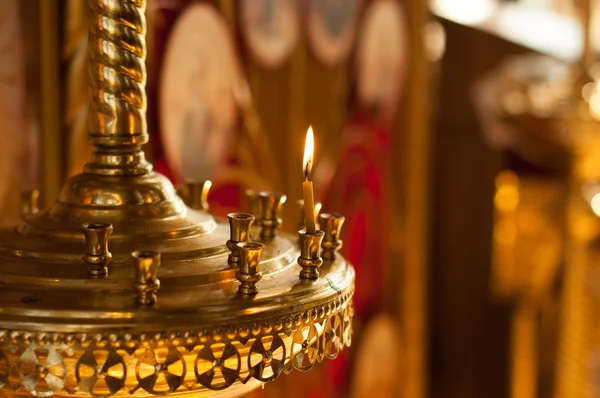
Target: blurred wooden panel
column 469, row 332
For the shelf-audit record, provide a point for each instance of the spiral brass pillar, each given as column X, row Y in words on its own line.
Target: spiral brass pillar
column 117, row 119
column 80, row 320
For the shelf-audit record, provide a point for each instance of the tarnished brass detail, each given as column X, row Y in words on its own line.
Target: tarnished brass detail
column 29, row 202
column 240, row 225
column 310, row 259
column 301, row 224
column 332, row 224
column 270, row 213
column 96, row 247
column 248, row 274
column 195, row 194
column 146, row 269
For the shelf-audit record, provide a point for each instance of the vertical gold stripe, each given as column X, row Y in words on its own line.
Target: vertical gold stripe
column 417, row 151
column 524, row 354
column 50, row 94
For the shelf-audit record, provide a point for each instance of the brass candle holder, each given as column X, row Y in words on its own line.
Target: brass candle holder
column 196, row 343
column 270, row 210
column 252, row 197
column 96, row 247
column 248, row 274
column 240, row 225
column 29, row 202
column 332, row 243
column 195, row 194
column 146, row 283
column 310, row 259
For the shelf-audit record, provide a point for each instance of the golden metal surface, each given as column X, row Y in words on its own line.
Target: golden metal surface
column 253, row 203
column 66, row 333
column 270, row 205
column 240, row 225
column 29, row 202
column 310, row 258
column 248, row 274
column 195, row 194
column 96, row 247
column 331, row 240
column 146, row 269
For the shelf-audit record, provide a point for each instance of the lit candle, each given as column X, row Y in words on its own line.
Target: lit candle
column 307, row 185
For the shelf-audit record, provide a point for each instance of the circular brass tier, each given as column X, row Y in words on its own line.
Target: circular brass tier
column 59, row 325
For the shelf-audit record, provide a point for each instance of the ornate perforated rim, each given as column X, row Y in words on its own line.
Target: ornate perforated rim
column 46, row 364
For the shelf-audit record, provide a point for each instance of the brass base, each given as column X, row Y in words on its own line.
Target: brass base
column 52, row 308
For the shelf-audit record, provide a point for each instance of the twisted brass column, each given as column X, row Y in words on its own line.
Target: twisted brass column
column 117, row 119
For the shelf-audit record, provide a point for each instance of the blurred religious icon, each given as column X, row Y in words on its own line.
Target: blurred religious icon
column 270, row 29
column 382, row 58
column 209, row 127
column 331, row 28
column 197, row 105
column 75, row 54
column 17, row 135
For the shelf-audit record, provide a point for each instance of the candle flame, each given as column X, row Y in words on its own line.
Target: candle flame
column 309, row 152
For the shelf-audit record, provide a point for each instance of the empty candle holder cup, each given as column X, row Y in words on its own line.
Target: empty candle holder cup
column 270, row 210
column 332, row 226
column 310, row 258
column 240, row 225
column 195, row 194
column 253, row 202
column 29, row 202
column 248, row 274
column 96, row 254
column 146, row 283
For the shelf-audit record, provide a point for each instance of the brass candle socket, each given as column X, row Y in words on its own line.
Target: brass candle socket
column 195, row 194
column 302, row 223
column 240, row 225
column 96, row 247
column 270, row 210
column 248, row 274
column 332, row 226
column 310, row 259
column 29, row 202
column 253, row 202
column 146, row 283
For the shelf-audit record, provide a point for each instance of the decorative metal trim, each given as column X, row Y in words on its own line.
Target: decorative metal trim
column 44, row 364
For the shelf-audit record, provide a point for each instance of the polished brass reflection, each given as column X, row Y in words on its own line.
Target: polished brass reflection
column 271, row 204
column 195, row 194
column 332, row 225
column 239, row 231
column 248, row 273
column 96, row 247
column 29, row 202
column 310, row 258
column 146, row 283
column 100, row 337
